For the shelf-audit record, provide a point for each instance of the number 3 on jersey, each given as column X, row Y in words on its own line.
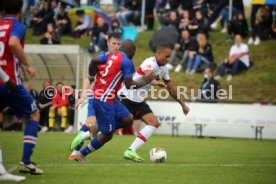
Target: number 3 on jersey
column 109, row 63
column 2, row 46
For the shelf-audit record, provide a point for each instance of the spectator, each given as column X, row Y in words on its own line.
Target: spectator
column 25, row 13
column 181, row 50
column 59, row 105
column 238, row 25
column 237, row 61
column 115, row 28
column 209, row 87
column 149, row 14
column 71, row 110
column 83, row 25
column 174, row 4
column 184, row 20
column 55, row 6
column 202, row 56
column 98, row 35
column 262, row 28
column 51, row 36
column 174, row 19
column 45, row 102
column 224, row 18
column 42, row 19
column 62, row 21
column 131, row 11
column 200, row 5
column 117, row 5
column 198, row 24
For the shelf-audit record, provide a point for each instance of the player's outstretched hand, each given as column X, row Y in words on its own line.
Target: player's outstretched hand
column 11, row 86
column 185, row 109
column 30, row 71
column 80, row 101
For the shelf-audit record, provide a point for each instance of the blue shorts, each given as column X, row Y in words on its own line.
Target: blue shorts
column 90, row 111
column 20, row 101
column 107, row 114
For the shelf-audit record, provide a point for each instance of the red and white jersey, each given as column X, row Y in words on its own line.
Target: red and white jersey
column 150, row 64
column 110, row 76
column 9, row 27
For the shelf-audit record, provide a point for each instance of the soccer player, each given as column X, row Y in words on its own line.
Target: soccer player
column 12, row 92
column 135, row 98
column 89, row 129
column 113, row 69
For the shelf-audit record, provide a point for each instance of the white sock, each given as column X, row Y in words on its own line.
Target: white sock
column 142, row 137
column 85, row 135
column 2, row 168
column 74, row 152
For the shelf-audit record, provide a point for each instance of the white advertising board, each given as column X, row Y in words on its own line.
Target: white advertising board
column 222, row 120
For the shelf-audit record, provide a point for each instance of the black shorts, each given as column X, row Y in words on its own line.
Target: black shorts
column 138, row 109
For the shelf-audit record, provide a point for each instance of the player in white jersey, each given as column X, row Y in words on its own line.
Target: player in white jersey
column 134, row 99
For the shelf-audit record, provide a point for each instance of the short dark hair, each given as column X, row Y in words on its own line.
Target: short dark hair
column 114, row 35
column 163, row 46
column 12, row 6
column 58, row 83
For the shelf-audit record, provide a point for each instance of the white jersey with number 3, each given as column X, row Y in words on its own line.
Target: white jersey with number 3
column 150, row 64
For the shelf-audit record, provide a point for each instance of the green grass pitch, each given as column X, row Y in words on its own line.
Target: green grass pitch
column 190, row 160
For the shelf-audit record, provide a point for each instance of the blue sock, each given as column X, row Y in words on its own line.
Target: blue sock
column 29, row 140
column 79, row 146
column 84, row 128
column 92, row 146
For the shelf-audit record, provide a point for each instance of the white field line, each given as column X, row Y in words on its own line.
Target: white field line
column 14, row 167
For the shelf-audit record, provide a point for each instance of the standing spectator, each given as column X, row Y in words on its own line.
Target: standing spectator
column 59, row 105
column 83, row 25
column 62, row 21
column 42, row 19
column 44, row 105
column 209, row 87
column 71, row 110
column 1, row 121
column 51, row 36
column 149, row 14
column 203, row 55
column 181, row 50
column 262, row 28
column 25, row 13
column 237, row 61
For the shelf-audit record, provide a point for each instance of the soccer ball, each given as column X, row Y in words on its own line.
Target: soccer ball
column 158, row 155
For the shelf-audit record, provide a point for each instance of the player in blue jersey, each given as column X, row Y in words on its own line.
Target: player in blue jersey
column 12, row 93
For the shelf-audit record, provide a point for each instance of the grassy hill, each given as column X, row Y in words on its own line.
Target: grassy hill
column 256, row 84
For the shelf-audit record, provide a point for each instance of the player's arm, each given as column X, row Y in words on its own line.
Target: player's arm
column 4, row 77
column 173, row 92
column 18, row 51
column 128, row 69
column 94, row 63
column 85, row 87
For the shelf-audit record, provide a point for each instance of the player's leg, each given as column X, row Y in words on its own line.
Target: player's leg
column 4, row 175
column 151, row 125
column 88, row 130
column 105, row 114
column 22, row 103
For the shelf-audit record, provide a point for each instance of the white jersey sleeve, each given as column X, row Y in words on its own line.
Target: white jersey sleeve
column 166, row 76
